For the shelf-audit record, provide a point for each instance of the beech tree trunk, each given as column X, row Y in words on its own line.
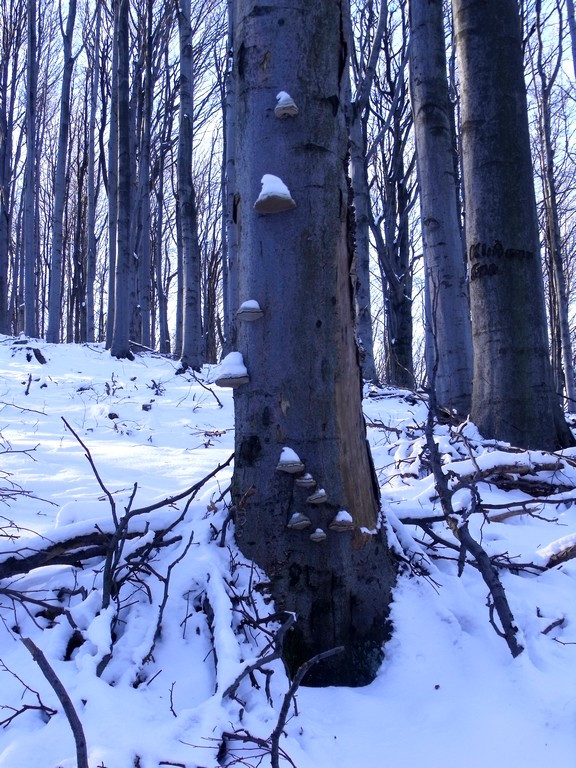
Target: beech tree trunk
column 113, row 187
column 123, row 283
column 513, row 396
column 357, row 119
column 448, row 330
column 91, row 195
column 304, row 388
column 191, row 353
column 572, row 30
column 564, row 370
column 13, row 20
column 29, row 220
column 55, row 284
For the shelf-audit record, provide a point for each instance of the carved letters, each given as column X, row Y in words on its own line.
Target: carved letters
column 485, row 260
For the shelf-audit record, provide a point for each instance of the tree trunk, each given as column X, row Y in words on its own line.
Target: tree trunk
column 13, row 20
column 29, row 223
column 229, row 218
column 91, row 192
column 304, row 391
column 357, row 118
column 192, row 346
column 448, row 331
column 162, row 298
column 572, row 31
column 513, row 397
column 553, row 236
column 113, row 187
column 123, row 300
column 55, row 285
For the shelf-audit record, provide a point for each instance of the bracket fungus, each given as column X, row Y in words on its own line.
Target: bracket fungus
column 305, row 481
column 231, row 372
column 274, row 197
column 318, row 535
column 286, row 106
column 342, row 522
column 299, row 521
column 289, row 462
column 318, row 497
column 249, row 311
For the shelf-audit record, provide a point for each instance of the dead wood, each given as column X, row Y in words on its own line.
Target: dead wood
column 568, row 553
column 75, row 551
column 459, row 526
column 65, row 700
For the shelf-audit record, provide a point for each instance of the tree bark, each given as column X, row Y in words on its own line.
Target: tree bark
column 123, row 300
column 572, row 31
column 13, row 15
column 55, row 284
column 91, row 193
column 513, row 397
column 113, row 186
column 304, row 391
column 29, row 223
column 192, row 346
column 448, row 330
column 553, row 237
column 357, row 119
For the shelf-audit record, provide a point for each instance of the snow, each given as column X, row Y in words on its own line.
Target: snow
column 289, row 456
column 250, row 304
column 448, row 692
column 231, row 365
column 273, row 186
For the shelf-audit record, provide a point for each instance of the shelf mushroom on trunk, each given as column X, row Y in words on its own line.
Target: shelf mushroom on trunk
column 274, row 197
column 231, row 371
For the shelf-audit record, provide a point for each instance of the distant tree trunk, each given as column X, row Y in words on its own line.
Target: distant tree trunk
column 394, row 259
column 393, row 193
column 113, row 188
column 192, row 346
column 513, row 397
column 123, row 298
column 230, row 300
column 55, row 285
column 304, row 389
column 162, row 298
column 30, row 244
column 552, row 218
column 449, row 336
column 357, row 119
column 572, row 30
column 142, row 211
column 91, row 192
column 14, row 26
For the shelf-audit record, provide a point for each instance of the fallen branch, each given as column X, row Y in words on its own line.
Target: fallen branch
column 288, row 698
column 459, row 527
column 65, row 700
column 230, row 692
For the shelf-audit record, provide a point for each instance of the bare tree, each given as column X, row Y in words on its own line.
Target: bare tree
column 55, row 289
column 191, row 351
column 13, row 22
column 305, row 495
column 449, row 337
column 513, row 396
column 124, row 268
column 30, row 220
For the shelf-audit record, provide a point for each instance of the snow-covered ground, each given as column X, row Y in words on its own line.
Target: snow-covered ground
column 448, row 694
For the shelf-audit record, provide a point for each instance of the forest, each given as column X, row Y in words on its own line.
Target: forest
column 351, row 223
column 59, row 102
